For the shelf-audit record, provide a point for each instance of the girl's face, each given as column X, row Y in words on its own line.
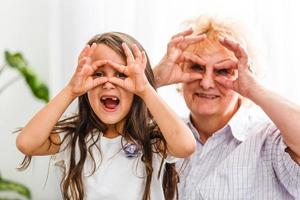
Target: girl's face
column 111, row 103
column 205, row 97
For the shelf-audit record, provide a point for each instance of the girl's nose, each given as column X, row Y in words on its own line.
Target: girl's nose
column 108, row 85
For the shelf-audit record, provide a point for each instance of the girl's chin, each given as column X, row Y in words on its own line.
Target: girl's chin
column 112, row 122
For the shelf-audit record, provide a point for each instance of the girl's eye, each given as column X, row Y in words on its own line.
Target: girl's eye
column 98, row 74
column 197, row 68
column 121, row 75
column 224, row 72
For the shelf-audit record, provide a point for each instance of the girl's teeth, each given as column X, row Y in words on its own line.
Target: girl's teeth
column 113, row 98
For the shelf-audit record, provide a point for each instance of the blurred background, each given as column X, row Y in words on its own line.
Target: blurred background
column 51, row 33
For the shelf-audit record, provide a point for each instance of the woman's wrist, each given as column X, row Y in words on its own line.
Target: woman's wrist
column 255, row 92
column 158, row 80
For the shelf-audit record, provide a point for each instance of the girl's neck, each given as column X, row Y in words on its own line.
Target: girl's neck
column 114, row 130
column 111, row 134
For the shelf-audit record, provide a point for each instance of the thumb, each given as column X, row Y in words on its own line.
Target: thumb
column 99, row 81
column 195, row 76
column 227, row 83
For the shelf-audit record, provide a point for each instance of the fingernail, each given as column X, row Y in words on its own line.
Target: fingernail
column 221, row 39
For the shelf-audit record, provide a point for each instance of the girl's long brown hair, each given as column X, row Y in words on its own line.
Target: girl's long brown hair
column 139, row 126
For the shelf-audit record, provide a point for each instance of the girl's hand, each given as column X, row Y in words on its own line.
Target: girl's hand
column 245, row 82
column 170, row 68
column 134, row 79
column 83, row 80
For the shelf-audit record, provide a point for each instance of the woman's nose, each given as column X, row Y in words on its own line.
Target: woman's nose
column 207, row 81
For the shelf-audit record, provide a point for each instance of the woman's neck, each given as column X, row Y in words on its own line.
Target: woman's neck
column 208, row 125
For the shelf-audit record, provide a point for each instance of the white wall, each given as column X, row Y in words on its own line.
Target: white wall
column 51, row 34
column 24, row 27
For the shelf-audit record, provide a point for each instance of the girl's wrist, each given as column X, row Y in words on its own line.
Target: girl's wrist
column 147, row 90
column 69, row 92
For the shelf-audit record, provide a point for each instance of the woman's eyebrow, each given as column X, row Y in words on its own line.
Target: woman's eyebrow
column 226, row 59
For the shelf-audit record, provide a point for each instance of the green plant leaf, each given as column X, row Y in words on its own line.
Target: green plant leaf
column 37, row 87
column 7, row 185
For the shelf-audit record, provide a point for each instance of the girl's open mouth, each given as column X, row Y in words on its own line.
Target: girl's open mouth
column 110, row 102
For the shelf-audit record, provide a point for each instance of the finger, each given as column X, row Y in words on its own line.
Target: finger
column 187, row 41
column 194, row 39
column 189, row 77
column 117, row 81
column 181, row 59
column 98, row 63
column 83, row 53
column 136, row 52
column 81, row 63
column 192, row 57
column 186, row 32
column 175, row 41
column 99, row 81
column 92, row 49
column 119, row 67
column 236, row 48
column 86, row 70
column 128, row 53
column 227, row 83
column 144, row 59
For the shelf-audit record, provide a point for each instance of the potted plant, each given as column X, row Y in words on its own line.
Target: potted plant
column 39, row 90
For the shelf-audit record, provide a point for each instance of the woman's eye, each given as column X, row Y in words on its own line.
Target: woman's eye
column 224, row 72
column 197, row 68
column 121, row 75
column 98, row 74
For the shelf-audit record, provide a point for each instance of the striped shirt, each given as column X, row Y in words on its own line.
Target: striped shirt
column 246, row 159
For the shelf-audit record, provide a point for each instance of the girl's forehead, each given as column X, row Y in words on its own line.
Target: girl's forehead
column 106, row 68
column 103, row 52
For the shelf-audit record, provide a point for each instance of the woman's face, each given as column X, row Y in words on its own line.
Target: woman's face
column 205, row 97
column 111, row 103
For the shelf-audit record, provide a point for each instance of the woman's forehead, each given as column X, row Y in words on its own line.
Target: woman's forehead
column 211, row 50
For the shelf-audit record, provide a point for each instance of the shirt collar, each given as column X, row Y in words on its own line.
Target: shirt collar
column 238, row 124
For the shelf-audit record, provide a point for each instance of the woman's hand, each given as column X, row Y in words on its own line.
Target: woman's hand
column 170, row 68
column 134, row 79
column 245, row 82
column 83, row 80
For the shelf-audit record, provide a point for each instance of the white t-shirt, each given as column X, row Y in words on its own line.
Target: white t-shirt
column 117, row 177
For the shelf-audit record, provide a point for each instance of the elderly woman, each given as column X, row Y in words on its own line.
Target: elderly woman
column 238, row 156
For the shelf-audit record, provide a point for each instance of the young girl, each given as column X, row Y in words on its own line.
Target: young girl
column 114, row 148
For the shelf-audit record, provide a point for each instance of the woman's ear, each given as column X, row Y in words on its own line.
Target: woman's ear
column 179, row 88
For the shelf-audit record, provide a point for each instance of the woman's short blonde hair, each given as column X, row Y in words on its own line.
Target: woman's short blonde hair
column 216, row 28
